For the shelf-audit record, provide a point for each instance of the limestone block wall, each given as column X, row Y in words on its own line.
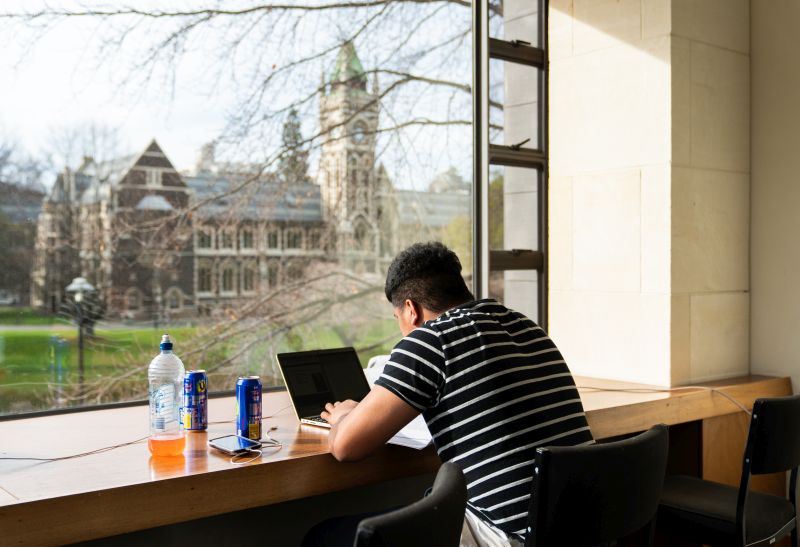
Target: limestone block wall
column 649, row 186
column 610, row 152
column 710, row 189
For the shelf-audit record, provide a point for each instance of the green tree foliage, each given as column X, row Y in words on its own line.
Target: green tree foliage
column 496, row 218
column 293, row 165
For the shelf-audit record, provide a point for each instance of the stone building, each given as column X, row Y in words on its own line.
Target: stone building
column 122, row 225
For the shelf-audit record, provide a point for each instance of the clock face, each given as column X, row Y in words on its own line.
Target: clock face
column 360, row 133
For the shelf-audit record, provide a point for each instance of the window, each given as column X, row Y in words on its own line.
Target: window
column 228, row 279
column 174, row 299
column 204, row 239
column 272, row 275
column 249, row 280
column 511, row 133
column 226, row 239
column 153, row 177
column 247, row 238
column 273, row 238
column 204, row 279
column 275, row 260
column 133, row 300
column 294, row 239
column 315, row 240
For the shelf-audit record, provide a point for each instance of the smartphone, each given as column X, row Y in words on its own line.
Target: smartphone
column 233, row 444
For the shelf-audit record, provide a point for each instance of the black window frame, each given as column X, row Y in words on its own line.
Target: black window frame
column 487, row 260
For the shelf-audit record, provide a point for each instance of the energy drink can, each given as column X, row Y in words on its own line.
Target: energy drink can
column 248, row 407
column 195, row 401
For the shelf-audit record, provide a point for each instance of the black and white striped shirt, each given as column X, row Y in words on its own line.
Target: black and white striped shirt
column 492, row 387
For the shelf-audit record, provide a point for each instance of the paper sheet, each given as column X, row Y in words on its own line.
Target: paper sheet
column 413, row 435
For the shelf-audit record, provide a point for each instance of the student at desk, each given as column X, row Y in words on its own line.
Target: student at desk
column 489, row 382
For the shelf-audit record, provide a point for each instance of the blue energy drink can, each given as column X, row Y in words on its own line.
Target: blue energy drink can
column 248, row 407
column 195, row 401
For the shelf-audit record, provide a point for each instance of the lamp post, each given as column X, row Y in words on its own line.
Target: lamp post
column 80, row 288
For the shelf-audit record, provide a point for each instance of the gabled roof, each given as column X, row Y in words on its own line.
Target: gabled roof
column 265, row 200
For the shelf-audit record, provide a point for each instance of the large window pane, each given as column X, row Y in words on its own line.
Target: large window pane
column 514, row 108
column 515, row 20
column 239, row 180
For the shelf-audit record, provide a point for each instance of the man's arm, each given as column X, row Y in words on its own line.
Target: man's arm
column 360, row 429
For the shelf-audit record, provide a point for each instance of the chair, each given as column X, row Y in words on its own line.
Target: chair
column 436, row 519
column 587, row 495
column 717, row 514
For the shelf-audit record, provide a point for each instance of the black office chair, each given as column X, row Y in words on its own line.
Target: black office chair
column 594, row 494
column 436, row 519
column 717, row 514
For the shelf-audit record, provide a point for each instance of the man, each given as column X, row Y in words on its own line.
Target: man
column 490, row 384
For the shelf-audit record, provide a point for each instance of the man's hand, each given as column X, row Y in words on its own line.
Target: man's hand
column 334, row 412
column 369, row 424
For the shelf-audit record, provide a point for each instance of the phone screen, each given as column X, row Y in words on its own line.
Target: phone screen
column 233, row 444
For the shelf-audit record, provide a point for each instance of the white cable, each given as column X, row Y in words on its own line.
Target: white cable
column 254, row 458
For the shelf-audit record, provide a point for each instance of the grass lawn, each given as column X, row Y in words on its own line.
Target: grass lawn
column 30, row 359
column 28, row 316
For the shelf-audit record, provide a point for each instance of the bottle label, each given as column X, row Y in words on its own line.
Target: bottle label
column 164, row 409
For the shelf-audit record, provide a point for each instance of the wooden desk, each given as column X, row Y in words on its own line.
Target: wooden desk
column 125, row 490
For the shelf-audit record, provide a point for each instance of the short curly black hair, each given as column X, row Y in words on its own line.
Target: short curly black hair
column 428, row 274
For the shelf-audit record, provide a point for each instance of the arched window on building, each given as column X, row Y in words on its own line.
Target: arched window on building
column 362, row 238
column 294, row 238
column 205, row 239
column 315, row 240
column 133, row 299
column 204, row 277
column 247, row 238
column 248, row 279
column 273, row 238
column 226, row 238
column 228, row 278
column 272, row 274
column 174, row 298
column 352, row 167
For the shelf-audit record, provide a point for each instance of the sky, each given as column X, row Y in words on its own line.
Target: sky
column 59, row 78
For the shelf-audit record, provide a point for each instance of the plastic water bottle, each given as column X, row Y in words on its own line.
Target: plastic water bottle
column 165, row 376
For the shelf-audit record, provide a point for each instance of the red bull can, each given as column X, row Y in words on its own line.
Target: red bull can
column 194, row 413
column 248, row 407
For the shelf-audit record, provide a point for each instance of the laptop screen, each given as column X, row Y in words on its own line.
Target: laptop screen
column 314, row 378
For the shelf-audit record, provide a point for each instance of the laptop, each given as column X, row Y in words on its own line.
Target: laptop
column 316, row 377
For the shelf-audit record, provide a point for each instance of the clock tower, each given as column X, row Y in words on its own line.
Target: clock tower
column 346, row 174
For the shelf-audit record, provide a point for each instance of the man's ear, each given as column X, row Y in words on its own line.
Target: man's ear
column 415, row 311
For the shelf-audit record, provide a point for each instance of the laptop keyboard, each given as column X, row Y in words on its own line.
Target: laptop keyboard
column 317, row 419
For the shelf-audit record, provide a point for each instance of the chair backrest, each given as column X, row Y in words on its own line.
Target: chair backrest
column 436, row 519
column 585, row 495
column 773, row 443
